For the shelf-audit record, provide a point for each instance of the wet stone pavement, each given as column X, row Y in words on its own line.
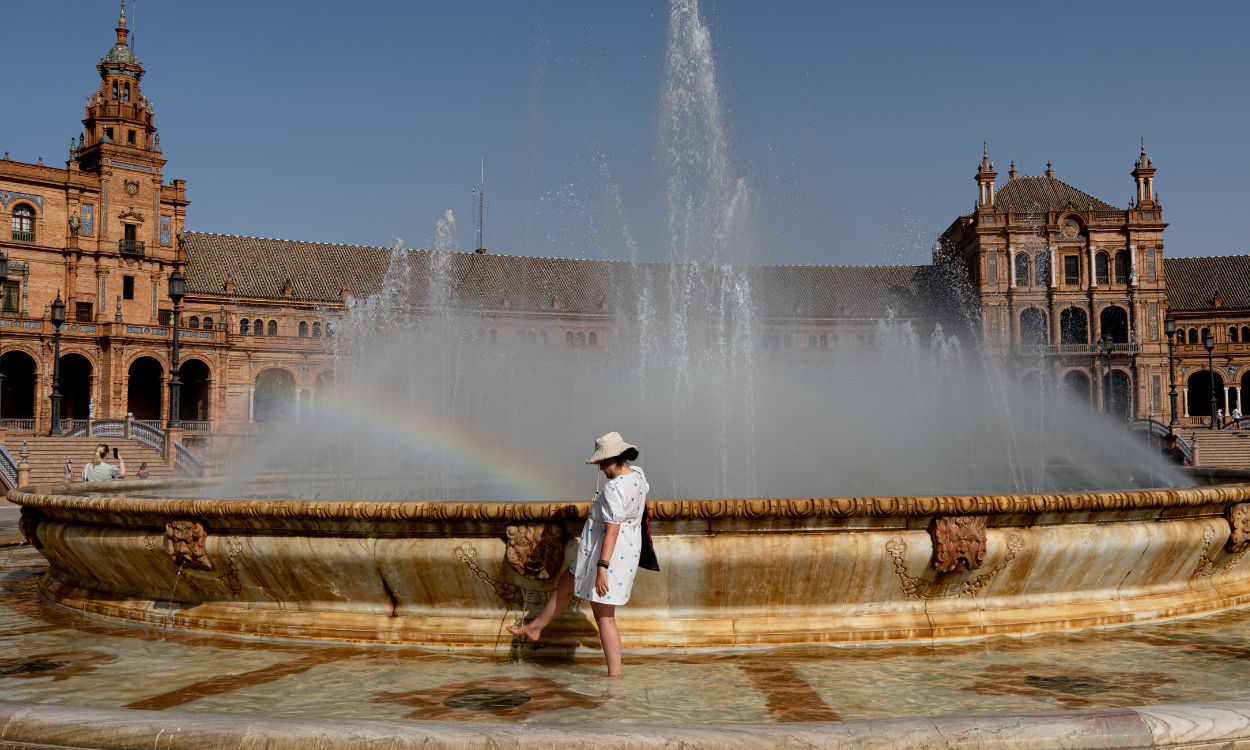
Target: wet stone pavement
column 49, row 655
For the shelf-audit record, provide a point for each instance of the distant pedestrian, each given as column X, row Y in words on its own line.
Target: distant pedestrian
column 143, row 471
column 69, row 471
column 1219, row 418
column 100, row 470
column 1236, row 417
column 1174, row 453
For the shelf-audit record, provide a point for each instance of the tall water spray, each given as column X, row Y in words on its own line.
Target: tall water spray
column 475, row 376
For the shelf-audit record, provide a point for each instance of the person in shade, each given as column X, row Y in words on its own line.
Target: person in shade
column 1174, row 453
column 69, row 471
column 609, row 550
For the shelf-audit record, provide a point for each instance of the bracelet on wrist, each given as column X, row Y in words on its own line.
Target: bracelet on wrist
column 603, row 564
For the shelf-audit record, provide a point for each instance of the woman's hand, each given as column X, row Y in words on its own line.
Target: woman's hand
column 601, row 581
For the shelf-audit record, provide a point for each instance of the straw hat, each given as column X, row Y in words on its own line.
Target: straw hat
column 610, row 445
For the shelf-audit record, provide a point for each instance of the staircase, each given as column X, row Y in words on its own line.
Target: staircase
column 48, row 456
column 1221, row 449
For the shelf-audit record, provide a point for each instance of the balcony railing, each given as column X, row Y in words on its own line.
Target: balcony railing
column 1074, row 349
column 23, row 236
column 131, row 247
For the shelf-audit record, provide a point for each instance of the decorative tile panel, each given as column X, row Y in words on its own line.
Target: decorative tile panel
column 166, row 230
column 7, row 197
column 88, row 219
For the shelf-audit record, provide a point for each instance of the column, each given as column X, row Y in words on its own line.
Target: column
column 1184, row 401
column 251, row 404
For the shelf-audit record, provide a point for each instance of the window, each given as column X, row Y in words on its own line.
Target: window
column 128, row 287
column 811, row 341
column 568, row 337
column 244, row 326
column 329, row 330
column 12, row 296
column 494, row 335
column 1101, row 264
column 303, row 328
column 126, row 97
column 23, row 223
column 193, row 322
column 1202, row 339
column 82, row 312
column 1041, row 268
column 165, row 317
column 208, row 324
column 130, row 137
column 316, row 328
column 594, row 339
column 273, row 328
column 1193, row 335
column 114, row 89
column 258, row 327
column 824, row 341
column 108, row 133
column 1232, row 334
column 1121, row 267
column 1022, row 269
column 1071, row 270
column 991, row 268
column 1245, row 334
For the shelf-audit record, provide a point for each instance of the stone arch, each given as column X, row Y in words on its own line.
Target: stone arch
column 194, row 397
column 17, row 392
column 76, row 375
column 1113, row 322
column 1073, row 326
column 273, row 397
column 1033, row 329
column 145, row 379
column 1198, row 403
column 1077, row 386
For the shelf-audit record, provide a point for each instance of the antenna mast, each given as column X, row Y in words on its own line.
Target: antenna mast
column 481, row 210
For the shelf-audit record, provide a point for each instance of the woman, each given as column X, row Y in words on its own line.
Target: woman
column 99, row 470
column 143, row 471
column 608, row 551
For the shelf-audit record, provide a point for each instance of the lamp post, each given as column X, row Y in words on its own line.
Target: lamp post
column 4, row 276
column 177, row 289
column 1208, row 340
column 1105, row 345
column 1169, row 327
column 58, row 320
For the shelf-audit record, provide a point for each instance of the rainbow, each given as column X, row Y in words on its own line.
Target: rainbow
column 454, row 440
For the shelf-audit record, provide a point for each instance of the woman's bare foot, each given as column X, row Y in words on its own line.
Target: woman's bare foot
column 526, row 631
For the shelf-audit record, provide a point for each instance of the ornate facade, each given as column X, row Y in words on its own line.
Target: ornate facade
column 1053, row 272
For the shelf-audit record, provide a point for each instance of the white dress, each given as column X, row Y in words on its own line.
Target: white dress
column 622, row 501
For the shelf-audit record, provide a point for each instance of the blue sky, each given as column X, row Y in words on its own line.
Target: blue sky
column 857, row 126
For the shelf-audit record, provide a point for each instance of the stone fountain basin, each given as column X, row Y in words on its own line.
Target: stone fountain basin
column 735, row 573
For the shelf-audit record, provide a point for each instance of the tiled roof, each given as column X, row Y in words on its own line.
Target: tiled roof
column 260, row 268
column 1026, row 194
column 1193, row 282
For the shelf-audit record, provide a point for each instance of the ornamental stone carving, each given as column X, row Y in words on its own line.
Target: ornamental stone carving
column 535, row 550
column 28, row 525
column 184, row 543
column 958, row 543
column 1239, row 533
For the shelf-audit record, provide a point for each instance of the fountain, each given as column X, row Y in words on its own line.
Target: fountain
column 900, row 490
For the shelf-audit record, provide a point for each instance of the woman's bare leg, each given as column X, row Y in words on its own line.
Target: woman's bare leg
column 558, row 601
column 609, row 636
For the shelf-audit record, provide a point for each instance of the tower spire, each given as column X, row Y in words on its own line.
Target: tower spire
column 1144, row 175
column 985, row 179
column 122, row 32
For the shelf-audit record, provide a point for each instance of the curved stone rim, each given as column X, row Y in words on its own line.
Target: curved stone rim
column 661, row 510
column 1187, row 725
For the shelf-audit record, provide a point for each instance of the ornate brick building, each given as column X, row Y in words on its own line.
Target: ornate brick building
column 1053, row 273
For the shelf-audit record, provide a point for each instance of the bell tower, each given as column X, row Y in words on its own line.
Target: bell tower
column 119, row 118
